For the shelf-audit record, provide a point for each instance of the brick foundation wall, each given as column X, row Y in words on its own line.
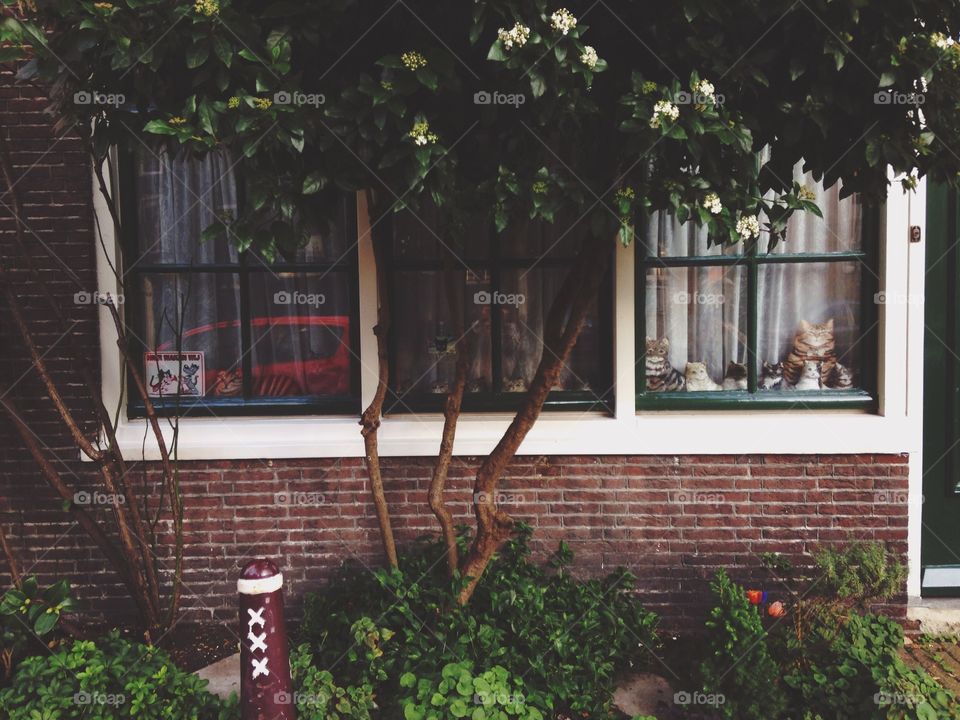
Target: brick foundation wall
column 671, row 520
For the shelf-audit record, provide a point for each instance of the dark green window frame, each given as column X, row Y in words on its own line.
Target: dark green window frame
column 497, row 400
column 245, row 405
column 752, row 259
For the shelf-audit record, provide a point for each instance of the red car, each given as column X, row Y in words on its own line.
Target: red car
column 318, row 365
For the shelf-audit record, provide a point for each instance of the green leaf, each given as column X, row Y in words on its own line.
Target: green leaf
column 223, row 49
column 159, row 127
column 312, row 184
column 496, row 52
column 887, row 79
column 197, row 55
column 408, row 679
column 45, row 623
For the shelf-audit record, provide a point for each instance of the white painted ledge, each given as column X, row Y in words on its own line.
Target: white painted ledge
column 554, row 434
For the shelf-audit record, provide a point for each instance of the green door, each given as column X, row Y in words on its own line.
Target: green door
column 940, row 538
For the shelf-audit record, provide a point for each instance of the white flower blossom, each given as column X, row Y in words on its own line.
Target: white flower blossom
column 421, row 135
column 516, row 36
column 941, row 41
column 705, row 92
column 664, row 110
column 712, row 203
column 563, row 21
column 589, row 57
column 748, row 227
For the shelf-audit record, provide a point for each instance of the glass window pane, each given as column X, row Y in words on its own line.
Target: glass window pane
column 331, row 240
column 300, row 334
column 426, row 333
column 178, row 197
column 810, row 313
column 665, row 236
column 535, row 239
column 524, row 305
column 197, row 312
column 840, row 229
column 421, row 237
column 698, row 316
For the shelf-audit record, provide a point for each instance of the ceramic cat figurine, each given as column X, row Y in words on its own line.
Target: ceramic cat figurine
column 518, row 385
column 228, row 383
column 661, row 375
column 771, row 376
column 813, row 342
column 736, row 376
column 809, row 376
column 841, row 378
column 698, row 379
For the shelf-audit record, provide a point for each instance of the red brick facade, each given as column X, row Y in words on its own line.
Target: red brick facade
column 671, row 520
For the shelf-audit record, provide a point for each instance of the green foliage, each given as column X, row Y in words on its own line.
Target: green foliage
column 29, row 614
column 317, row 97
column 738, row 662
column 458, row 692
column 112, row 678
column 566, row 638
column 319, row 697
column 860, row 572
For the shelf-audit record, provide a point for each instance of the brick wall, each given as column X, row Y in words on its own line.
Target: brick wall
column 671, row 520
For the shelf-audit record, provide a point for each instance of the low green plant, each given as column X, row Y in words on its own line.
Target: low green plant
column 106, row 680
column 738, row 665
column 460, row 693
column 566, row 637
column 28, row 615
column 860, row 573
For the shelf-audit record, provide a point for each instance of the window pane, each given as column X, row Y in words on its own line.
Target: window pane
column 300, row 334
column 178, row 197
column 524, row 305
column 426, row 332
column 696, row 315
column 197, row 312
column 810, row 312
column 840, row 229
column 333, row 240
column 534, row 239
column 421, row 237
column 665, row 236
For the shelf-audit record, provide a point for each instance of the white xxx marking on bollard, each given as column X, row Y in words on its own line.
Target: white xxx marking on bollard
column 259, row 667
column 256, row 618
column 257, row 641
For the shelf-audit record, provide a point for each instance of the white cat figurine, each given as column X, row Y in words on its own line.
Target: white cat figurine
column 809, row 376
column 698, row 379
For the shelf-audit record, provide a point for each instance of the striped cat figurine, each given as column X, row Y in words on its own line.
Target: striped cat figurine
column 661, row 375
column 841, row 378
column 813, row 342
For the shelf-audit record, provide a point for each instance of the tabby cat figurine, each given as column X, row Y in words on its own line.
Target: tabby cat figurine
column 771, row 376
column 736, row 377
column 698, row 379
column 841, row 378
column 813, row 342
column 661, row 375
column 809, row 376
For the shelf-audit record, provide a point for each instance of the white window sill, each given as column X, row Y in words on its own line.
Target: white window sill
column 668, row 433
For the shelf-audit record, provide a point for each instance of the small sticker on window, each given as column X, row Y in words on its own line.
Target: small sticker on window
column 166, row 371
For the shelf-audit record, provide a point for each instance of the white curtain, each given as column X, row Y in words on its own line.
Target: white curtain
column 703, row 310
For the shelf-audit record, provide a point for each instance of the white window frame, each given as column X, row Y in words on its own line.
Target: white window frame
column 894, row 428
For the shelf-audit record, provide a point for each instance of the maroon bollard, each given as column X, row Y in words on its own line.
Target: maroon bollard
column 266, row 692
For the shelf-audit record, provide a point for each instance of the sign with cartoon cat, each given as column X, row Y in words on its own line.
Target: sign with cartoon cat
column 165, row 372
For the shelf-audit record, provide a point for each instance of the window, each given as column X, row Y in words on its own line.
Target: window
column 791, row 326
column 222, row 332
column 504, row 287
